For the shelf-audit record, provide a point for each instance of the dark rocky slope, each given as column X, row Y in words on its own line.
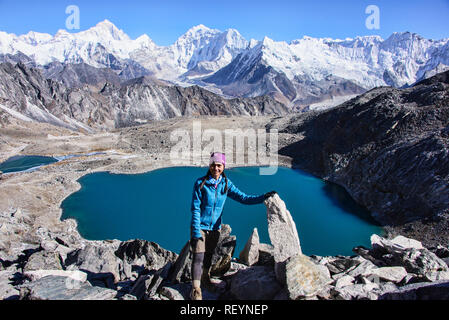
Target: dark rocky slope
column 27, row 91
column 388, row 148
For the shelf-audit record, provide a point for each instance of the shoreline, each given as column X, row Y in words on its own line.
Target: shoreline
column 115, row 167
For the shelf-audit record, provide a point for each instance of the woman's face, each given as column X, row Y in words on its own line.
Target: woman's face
column 216, row 169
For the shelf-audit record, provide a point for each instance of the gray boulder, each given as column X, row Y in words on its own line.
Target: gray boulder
column 356, row 292
column 250, row 253
column 7, row 289
column 181, row 269
column 38, row 274
column 43, row 260
column 363, row 268
column 266, row 254
column 303, row 278
column 438, row 290
column 144, row 254
column 412, row 256
column 178, row 291
column 55, row 246
column 147, row 285
column 141, row 286
column 99, row 261
column 391, row 274
column 345, row 280
column 235, row 267
column 397, row 245
column 341, row 264
column 255, row 283
column 63, row 288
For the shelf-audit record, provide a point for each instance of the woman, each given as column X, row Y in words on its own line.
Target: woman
column 209, row 196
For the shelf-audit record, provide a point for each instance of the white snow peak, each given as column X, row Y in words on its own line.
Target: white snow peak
column 368, row 61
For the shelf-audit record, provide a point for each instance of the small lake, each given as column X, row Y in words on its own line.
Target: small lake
column 21, row 163
column 25, row 163
column 155, row 206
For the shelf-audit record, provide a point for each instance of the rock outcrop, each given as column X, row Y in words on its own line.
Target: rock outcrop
column 282, row 231
column 388, row 148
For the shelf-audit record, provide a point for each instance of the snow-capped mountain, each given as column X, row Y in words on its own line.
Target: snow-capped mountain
column 199, row 51
column 316, row 67
column 104, row 45
column 303, row 73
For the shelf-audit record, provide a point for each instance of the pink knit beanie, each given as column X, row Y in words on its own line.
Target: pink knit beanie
column 217, row 157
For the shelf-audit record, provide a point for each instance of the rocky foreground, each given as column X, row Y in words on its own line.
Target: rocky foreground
column 53, row 266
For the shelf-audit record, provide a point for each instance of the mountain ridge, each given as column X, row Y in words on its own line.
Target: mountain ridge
column 388, row 147
column 27, row 95
column 313, row 70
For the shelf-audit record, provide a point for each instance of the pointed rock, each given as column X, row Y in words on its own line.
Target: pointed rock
column 282, row 231
column 250, row 253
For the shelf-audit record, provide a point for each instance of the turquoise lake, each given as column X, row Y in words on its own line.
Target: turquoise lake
column 23, row 163
column 155, row 206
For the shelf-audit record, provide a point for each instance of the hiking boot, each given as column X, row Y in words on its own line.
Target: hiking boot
column 196, row 294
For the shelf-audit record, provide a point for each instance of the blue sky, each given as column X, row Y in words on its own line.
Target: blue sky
column 165, row 20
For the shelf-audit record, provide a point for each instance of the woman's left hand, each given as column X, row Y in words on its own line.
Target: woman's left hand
column 269, row 194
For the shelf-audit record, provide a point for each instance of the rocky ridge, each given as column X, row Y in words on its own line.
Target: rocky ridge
column 26, row 94
column 388, row 147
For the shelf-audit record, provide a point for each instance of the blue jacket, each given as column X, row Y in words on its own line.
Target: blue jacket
column 207, row 204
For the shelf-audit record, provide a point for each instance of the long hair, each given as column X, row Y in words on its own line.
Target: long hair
column 207, row 175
